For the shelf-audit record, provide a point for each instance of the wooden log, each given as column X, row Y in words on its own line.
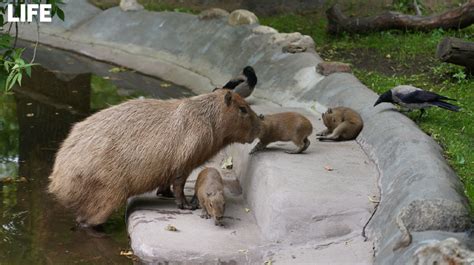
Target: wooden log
column 457, row 51
column 457, row 18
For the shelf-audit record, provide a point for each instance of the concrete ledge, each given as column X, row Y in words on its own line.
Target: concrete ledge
column 418, row 188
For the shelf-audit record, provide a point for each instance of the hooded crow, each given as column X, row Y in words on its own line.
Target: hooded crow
column 244, row 83
column 411, row 98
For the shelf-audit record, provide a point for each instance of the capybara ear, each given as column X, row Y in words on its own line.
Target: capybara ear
column 261, row 117
column 228, row 98
column 329, row 111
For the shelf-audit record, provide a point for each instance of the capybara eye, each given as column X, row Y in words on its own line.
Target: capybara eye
column 210, row 205
column 243, row 109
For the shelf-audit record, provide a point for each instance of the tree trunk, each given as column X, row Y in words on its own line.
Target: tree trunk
column 457, row 51
column 457, row 18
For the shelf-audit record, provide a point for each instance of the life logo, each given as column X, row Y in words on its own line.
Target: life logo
column 28, row 11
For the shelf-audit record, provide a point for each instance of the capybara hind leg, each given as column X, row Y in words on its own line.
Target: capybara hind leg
column 303, row 145
column 165, row 191
column 178, row 187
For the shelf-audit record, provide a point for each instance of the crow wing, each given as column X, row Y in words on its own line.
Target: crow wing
column 420, row 96
column 234, row 82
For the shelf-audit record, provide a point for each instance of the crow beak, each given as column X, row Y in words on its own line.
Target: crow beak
column 379, row 100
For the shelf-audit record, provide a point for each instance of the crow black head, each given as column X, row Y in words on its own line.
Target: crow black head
column 385, row 97
column 251, row 76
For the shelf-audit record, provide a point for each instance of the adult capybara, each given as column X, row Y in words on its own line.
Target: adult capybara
column 285, row 126
column 209, row 193
column 342, row 124
column 139, row 145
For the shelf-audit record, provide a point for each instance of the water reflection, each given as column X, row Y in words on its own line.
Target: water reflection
column 34, row 228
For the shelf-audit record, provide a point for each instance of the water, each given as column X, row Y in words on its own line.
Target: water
column 34, row 119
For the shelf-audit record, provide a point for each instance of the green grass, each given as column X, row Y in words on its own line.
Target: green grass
column 382, row 60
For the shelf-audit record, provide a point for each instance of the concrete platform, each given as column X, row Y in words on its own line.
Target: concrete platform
column 302, row 208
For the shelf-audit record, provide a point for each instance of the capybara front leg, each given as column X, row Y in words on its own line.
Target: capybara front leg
column 204, row 213
column 323, row 133
column 335, row 135
column 178, row 187
column 258, row 147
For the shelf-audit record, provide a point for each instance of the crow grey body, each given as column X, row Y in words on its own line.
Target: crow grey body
column 244, row 83
column 410, row 97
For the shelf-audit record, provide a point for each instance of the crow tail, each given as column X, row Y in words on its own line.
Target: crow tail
column 446, row 105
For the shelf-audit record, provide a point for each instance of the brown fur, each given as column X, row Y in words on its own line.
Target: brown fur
column 139, row 145
column 209, row 191
column 342, row 124
column 285, row 126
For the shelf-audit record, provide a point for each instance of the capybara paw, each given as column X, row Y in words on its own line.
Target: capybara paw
column 218, row 223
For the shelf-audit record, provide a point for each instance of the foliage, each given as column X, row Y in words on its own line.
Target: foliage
column 11, row 57
column 382, row 60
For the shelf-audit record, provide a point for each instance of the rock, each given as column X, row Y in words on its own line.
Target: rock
column 303, row 44
column 327, row 68
column 447, row 252
column 213, row 13
column 105, row 4
column 264, row 30
column 130, row 5
column 286, row 37
column 445, row 215
column 242, row 17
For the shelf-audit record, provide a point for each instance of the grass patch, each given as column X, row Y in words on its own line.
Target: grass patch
column 382, row 60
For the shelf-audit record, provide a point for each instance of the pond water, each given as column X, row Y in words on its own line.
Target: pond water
column 34, row 119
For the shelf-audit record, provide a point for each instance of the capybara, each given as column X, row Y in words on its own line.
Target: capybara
column 285, row 126
column 342, row 124
column 209, row 193
column 142, row 144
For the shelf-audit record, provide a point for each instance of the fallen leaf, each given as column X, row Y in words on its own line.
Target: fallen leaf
column 373, row 199
column 22, row 179
column 228, row 163
column 328, row 168
column 30, row 114
column 126, row 253
column 268, row 262
column 165, row 85
column 117, row 69
column 171, row 228
column 247, row 210
column 106, row 77
column 245, row 251
column 6, row 180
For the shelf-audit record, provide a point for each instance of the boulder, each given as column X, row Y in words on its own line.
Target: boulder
column 130, row 5
column 242, row 17
column 213, row 13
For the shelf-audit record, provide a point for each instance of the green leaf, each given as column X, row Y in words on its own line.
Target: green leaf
column 28, row 70
column 20, row 76
column 60, row 13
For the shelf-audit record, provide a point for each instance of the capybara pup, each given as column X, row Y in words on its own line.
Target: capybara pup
column 142, row 144
column 342, row 124
column 209, row 193
column 285, row 126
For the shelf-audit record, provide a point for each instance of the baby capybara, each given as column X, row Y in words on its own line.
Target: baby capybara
column 209, row 193
column 285, row 126
column 139, row 145
column 342, row 124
